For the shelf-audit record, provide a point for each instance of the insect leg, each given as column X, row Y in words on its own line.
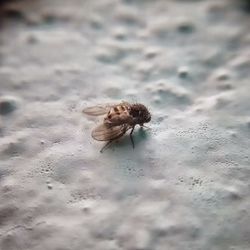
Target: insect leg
column 143, row 126
column 131, row 137
column 106, row 146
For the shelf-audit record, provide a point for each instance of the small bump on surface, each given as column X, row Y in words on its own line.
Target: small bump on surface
column 7, row 105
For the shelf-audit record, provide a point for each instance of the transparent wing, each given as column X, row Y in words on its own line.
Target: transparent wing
column 97, row 110
column 101, row 109
column 103, row 132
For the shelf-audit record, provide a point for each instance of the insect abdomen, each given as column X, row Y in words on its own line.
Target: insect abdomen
column 118, row 110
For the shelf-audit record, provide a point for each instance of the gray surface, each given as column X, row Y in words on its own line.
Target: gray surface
column 186, row 184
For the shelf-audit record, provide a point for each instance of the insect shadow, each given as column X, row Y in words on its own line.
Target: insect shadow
column 139, row 136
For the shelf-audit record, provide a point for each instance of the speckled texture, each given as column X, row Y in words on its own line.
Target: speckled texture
column 186, row 184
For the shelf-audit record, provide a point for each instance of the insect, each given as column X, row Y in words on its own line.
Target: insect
column 119, row 118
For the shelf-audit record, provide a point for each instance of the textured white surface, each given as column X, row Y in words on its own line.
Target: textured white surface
column 186, row 184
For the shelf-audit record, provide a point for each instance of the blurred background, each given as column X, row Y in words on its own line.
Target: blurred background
column 185, row 185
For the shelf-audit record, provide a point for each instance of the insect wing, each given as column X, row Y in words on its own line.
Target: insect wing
column 97, row 110
column 104, row 132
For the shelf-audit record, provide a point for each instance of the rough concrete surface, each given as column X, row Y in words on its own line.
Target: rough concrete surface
column 186, row 185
